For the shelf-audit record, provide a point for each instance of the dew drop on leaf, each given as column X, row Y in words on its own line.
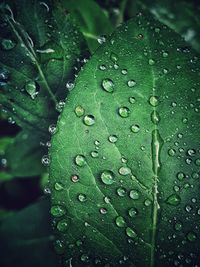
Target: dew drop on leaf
column 173, row 200
column 7, row 44
column 31, row 89
column 89, row 120
column 153, row 100
column 131, row 83
column 80, row 160
column 108, row 85
column 57, row 211
column 62, row 225
column 113, row 57
column 135, row 128
column 132, row 100
column 103, row 210
column 107, row 177
column 45, row 160
column 151, row 62
column 124, row 171
column 79, row 111
column 94, row 154
column 120, row 222
column 82, row 197
column 191, row 236
column 180, row 176
column 130, row 232
column 178, row 226
column 74, row 178
column 121, row 191
column 58, row 186
column 133, row 212
column 124, row 112
column 155, row 117
column 112, row 138
column 171, row 152
column 134, row 194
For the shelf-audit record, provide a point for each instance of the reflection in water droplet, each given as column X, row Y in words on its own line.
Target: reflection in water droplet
column 79, row 111
column 108, row 85
column 80, row 160
column 130, row 232
column 112, row 138
column 173, row 200
column 124, row 171
column 134, row 194
column 120, row 222
column 124, row 112
column 57, row 211
column 107, row 177
column 89, row 120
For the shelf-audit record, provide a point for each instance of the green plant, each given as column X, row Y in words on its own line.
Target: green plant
column 115, row 120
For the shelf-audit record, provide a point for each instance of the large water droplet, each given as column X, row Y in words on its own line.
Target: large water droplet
column 131, row 83
column 80, row 160
column 153, row 100
column 32, row 89
column 124, row 171
column 57, row 211
column 89, row 120
column 107, row 177
column 124, row 112
column 108, row 85
column 130, row 232
column 120, row 222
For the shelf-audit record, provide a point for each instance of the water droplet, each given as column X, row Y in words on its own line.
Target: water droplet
column 57, row 211
column 124, row 112
column 155, row 117
column 82, row 197
column 197, row 162
column 180, row 176
column 94, row 154
column 178, row 226
column 70, row 85
column 47, row 190
column 58, row 186
column 191, row 152
column 124, row 71
column 112, row 138
column 151, row 62
column 84, row 258
column 132, row 100
column 32, row 89
column 89, row 120
column 173, row 200
column 7, row 44
column 191, row 236
column 188, row 208
column 135, row 128
column 131, row 83
column 147, row 202
column 121, row 191
column 171, row 152
column 45, row 160
column 153, row 100
column 113, row 57
column 80, row 160
column 165, row 54
column 130, row 232
column 107, row 177
column 79, row 111
column 102, row 67
column 101, row 39
column 107, row 200
column 108, row 85
column 62, row 225
column 74, row 178
column 60, row 105
column 185, row 120
column 59, row 247
column 103, row 210
column 134, row 194
column 132, row 212
column 120, row 222
column 52, row 129
column 124, row 171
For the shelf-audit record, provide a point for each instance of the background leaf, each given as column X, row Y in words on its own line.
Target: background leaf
column 125, row 177
column 26, row 238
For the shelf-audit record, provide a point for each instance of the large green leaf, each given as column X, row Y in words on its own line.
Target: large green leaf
column 26, row 238
column 125, row 161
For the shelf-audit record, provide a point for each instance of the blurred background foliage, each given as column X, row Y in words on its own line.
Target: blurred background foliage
column 24, row 217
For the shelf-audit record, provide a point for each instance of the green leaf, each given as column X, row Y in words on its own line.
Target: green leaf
column 25, row 154
column 26, row 238
column 92, row 20
column 125, row 161
column 39, row 48
column 184, row 20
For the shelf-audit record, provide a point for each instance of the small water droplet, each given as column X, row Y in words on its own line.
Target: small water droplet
column 191, row 236
column 113, row 57
column 94, row 154
column 133, row 212
column 80, row 160
column 153, row 100
column 124, row 71
column 121, row 191
column 107, row 200
column 165, row 54
column 70, row 85
column 62, row 225
column 52, row 129
column 173, row 200
column 197, row 162
column 60, row 105
column 191, row 152
column 155, row 117
column 120, row 222
column 103, row 210
column 124, row 112
column 130, row 232
column 124, row 171
column 178, row 226
column 147, row 202
column 135, row 128
column 134, row 194
column 112, row 138
column 171, row 152
column 79, row 111
column 82, row 197
column 101, row 39
column 180, row 176
column 45, row 160
column 131, row 83
column 151, row 62
column 107, row 177
column 89, row 120
column 57, row 211
column 108, row 85
column 7, row 44
column 32, row 89
column 58, row 186
column 102, row 67
column 132, row 100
